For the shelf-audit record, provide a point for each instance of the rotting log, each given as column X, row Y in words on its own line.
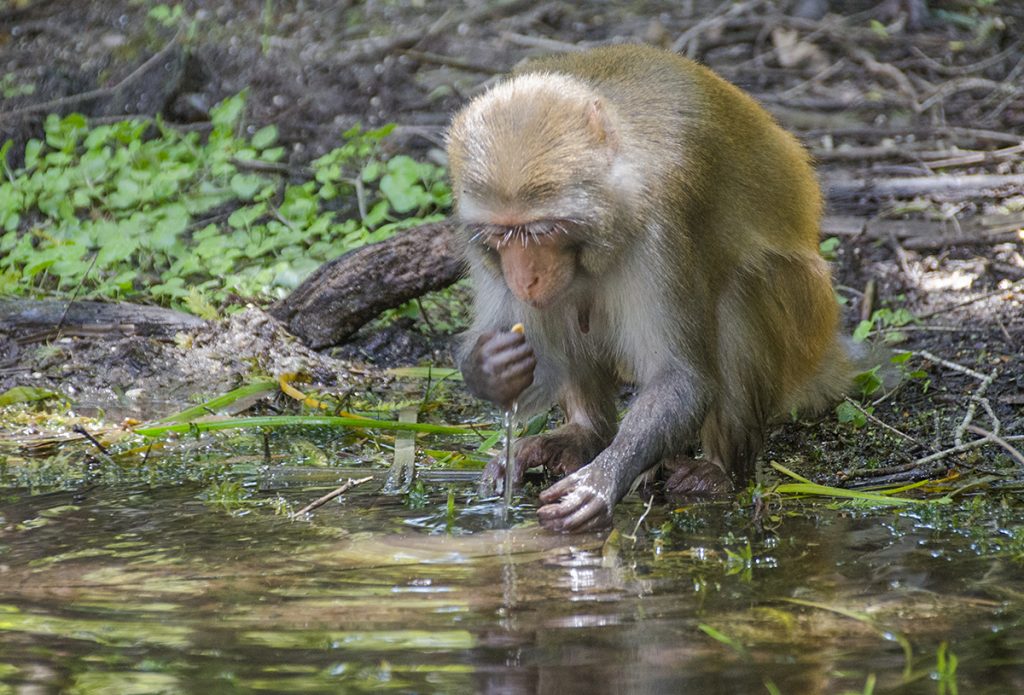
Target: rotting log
column 345, row 293
column 29, row 320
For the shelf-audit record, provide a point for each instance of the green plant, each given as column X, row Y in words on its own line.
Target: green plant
column 828, row 248
column 740, row 562
column 884, row 323
column 165, row 14
column 945, row 670
column 870, row 381
column 11, row 88
column 229, row 494
column 138, row 209
column 417, row 497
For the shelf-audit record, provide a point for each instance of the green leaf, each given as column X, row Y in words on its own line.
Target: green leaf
column 264, row 137
column 127, row 193
column 901, row 357
column 32, row 150
column 272, row 154
column 243, row 218
column 372, row 171
column 300, row 203
column 25, row 394
column 828, row 248
column 846, row 412
column 228, row 113
column 862, row 331
column 376, row 215
column 3, row 156
column 868, row 381
column 245, row 186
column 174, row 287
column 160, row 12
column 173, row 222
column 402, row 184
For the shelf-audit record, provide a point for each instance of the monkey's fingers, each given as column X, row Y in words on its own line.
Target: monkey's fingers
column 521, row 370
column 574, row 503
column 558, row 490
column 577, row 512
column 519, row 356
column 493, row 477
column 499, row 341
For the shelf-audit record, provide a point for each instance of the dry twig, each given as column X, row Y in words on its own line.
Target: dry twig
column 1001, row 441
column 337, row 492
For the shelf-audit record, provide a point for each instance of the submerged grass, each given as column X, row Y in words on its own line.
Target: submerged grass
column 212, row 425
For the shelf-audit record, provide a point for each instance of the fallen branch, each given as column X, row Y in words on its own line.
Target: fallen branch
column 883, row 424
column 337, row 492
column 967, row 446
column 343, row 294
column 906, row 186
column 973, row 300
column 29, row 321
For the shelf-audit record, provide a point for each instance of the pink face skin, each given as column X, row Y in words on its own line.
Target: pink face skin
column 538, row 271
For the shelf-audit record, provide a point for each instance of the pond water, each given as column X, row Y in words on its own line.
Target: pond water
column 137, row 589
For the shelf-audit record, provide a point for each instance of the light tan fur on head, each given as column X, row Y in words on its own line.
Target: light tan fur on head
column 510, row 150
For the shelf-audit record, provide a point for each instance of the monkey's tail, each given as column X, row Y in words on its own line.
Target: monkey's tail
column 836, row 379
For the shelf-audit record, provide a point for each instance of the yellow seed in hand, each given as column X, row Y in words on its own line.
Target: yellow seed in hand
column 519, row 328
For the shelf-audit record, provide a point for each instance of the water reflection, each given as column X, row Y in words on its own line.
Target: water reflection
column 143, row 590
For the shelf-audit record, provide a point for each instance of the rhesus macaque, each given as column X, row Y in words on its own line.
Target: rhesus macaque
column 646, row 221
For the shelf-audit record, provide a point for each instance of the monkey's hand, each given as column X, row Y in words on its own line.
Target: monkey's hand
column 499, row 367
column 582, row 501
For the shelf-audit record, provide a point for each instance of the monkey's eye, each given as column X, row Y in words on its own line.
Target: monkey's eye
column 496, row 236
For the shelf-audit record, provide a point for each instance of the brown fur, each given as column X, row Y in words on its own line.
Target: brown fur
column 692, row 219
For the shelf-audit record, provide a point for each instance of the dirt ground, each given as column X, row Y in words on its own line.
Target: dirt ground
column 917, row 130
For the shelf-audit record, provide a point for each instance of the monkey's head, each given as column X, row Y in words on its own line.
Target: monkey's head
column 532, row 164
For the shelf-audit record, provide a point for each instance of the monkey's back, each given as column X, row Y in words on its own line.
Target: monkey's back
column 703, row 132
column 750, row 208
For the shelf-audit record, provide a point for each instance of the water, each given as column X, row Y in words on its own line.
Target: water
column 131, row 589
column 508, row 423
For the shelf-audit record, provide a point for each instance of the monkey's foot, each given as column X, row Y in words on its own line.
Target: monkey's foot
column 695, row 477
column 563, row 451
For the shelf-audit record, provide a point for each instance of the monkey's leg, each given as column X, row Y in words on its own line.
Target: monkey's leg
column 589, row 427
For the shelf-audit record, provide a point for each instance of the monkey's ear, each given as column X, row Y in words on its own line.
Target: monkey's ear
column 600, row 124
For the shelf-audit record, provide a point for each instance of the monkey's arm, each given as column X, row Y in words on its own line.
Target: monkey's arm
column 663, row 418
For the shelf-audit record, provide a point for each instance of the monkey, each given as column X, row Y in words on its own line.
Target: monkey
column 651, row 224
